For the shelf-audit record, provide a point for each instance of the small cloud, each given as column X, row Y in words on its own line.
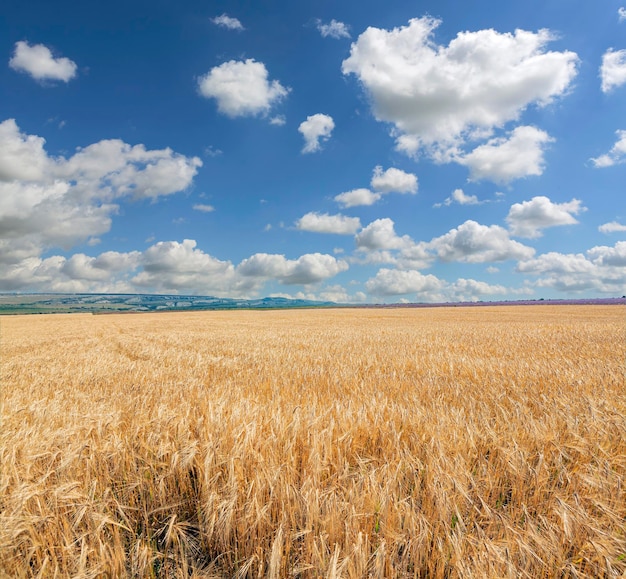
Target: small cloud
column 324, row 223
column 268, row 227
column 315, row 128
column 613, row 69
column 615, row 156
column 94, row 241
column 38, row 62
column 225, row 21
column 338, row 250
column 242, row 88
column 212, row 151
column 178, row 220
column 334, row 29
column 621, row 14
column 278, row 120
column 357, row 197
column 611, row 227
column 204, row 208
column 393, row 181
column 493, row 269
column 458, row 196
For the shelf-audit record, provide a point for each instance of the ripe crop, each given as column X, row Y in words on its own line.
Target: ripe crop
column 474, row 442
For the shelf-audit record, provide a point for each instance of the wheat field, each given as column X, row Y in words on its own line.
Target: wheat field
column 447, row 442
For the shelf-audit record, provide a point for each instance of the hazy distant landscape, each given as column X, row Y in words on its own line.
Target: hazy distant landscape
column 119, row 303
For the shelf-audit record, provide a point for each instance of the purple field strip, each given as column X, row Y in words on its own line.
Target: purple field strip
column 572, row 302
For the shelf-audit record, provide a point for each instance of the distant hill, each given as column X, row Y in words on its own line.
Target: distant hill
column 118, row 303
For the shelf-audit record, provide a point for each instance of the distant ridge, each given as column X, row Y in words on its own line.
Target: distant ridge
column 120, row 303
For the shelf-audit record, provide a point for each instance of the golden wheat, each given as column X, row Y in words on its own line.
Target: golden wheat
column 474, row 442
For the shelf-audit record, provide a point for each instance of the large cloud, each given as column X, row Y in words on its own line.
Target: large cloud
column 613, row 69
column 527, row 219
column 315, row 128
column 472, row 242
column 615, row 156
column 602, row 269
column 38, row 62
column 242, row 88
column 436, row 96
column 324, row 223
column 50, row 202
column 502, row 160
column 307, row 269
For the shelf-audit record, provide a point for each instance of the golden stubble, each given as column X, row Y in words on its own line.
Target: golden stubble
column 447, row 442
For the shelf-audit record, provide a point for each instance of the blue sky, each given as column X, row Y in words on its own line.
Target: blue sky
column 348, row 151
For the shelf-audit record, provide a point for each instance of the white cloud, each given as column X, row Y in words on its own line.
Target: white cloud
column 204, row 208
column 324, row 223
column 172, row 267
column 38, row 62
column 472, row 242
column 502, row 160
column 333, row 293
column 307, row 269
column 315, row 128
column 225, row 21
column 393, row 282
column 613, row 69
column 22, row 157
column 380, row 234
column 50, row 202
column 437, row 96
column 527, row 219
column 615, row 156
column 459, row 196
column 241, row 88
column 334, row 29
column 357, row 197
column 611, row 227
column 609, row 256
column 278, row 121
column 602, row 270
column 393, row 180
column 621, row 14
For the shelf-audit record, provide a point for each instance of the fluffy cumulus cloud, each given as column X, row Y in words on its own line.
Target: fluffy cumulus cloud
column 381, row 234
column 615, row 156
column 38, row 62
column 504, row 159
column 242, row 88
column 225, row 21
column 472, row 242
column 612, row 227
column 437, row 96
column 307, row 269
column 528, row 218
column 613, row 69
column 48, row 202
column 357, row 197
column 393, row 181
column 394, row 282
column 334, row 29
column 601, row 269
column 325, row 223
column 316, row 128
column 621, row 13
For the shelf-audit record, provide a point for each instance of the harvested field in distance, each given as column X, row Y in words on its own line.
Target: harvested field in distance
column 487, row 442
